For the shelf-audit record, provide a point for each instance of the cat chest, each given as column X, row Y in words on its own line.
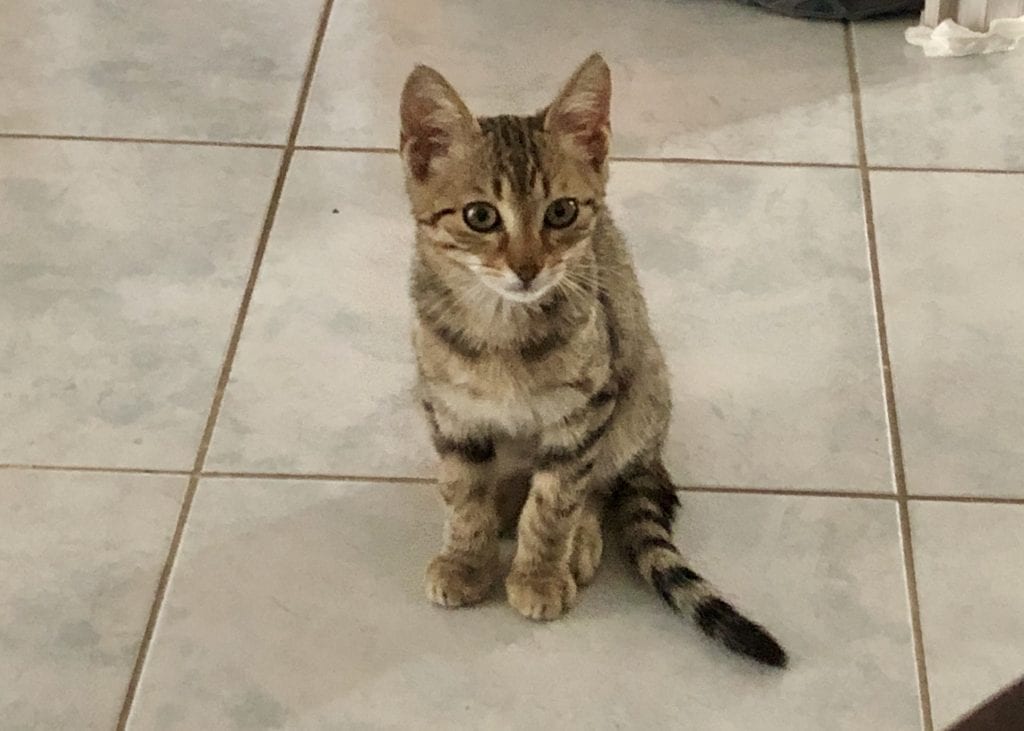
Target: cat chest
column 506, row 394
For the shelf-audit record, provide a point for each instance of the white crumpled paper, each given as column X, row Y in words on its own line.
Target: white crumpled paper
column 952, row 39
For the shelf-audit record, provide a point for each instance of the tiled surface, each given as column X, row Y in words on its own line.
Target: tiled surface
column 275, row 619
column 971, row 595
column 920, row 112
column 80, row 556
column 121, row 270
column 219, row 69
column 951, row 268
column 718, row 277
column 324, row 371
column 764, row 308
column 685, row 80
column 296, row 602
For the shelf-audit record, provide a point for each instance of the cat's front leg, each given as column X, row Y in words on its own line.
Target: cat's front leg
column 543, row 580
column 540, row 584
column 466, row 569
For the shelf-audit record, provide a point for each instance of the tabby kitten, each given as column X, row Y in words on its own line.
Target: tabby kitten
column 545, row 390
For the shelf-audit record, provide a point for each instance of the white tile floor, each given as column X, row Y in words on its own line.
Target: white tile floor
column 213, row 507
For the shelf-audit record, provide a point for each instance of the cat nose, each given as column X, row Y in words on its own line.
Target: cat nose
column 527, row 272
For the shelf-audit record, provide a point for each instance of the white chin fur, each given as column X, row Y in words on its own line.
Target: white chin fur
column 527, row 296
column 521, row 296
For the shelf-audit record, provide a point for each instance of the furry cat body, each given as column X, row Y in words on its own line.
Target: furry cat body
column 536, row 358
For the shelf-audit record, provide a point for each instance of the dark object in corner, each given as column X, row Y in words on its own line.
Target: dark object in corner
column 839, row 9
column 1003, row 712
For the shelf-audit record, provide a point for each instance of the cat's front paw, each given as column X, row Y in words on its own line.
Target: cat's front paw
column 541, row 594
column 454, row 583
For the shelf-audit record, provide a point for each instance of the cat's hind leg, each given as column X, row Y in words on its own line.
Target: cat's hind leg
column 587, row 543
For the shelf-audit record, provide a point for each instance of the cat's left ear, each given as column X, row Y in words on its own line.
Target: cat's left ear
column 580, row 117
column 435, row 122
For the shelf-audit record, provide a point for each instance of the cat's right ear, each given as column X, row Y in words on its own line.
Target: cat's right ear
column 436, row 124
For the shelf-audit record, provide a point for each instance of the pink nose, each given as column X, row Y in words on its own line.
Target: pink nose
column 526, row 272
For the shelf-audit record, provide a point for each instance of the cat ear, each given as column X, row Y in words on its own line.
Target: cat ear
column 435, row 121
column 579, row 117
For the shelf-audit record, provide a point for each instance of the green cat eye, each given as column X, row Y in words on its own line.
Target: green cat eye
column 481, row 217
column 561, row 213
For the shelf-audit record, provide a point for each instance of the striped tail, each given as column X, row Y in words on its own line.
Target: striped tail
column 644, row 505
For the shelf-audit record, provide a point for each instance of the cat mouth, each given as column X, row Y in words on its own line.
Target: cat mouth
column 526, row 295
column 521, row 293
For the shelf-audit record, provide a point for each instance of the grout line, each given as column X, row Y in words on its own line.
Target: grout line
column 158, row 600
column 735, row 162
column 614, row 158
column 331, row 148
column 967, row 171
column 623, row 158
column 965, row 499
column 139, row 140
column 413, row 480
column 321, row 476
column 786, row 492
column 225, row 373
column 895, row 443
column 86, row 468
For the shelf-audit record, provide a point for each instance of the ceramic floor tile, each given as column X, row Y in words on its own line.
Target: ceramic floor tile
column 938, row 112
column 121, row 271
column 221, row 69
column 300, row 605
column 698, row 78
column 951, row 267
column 760, row 292
column 322, row 381
column 80, row 557
column 971, row 588
column 764, row 307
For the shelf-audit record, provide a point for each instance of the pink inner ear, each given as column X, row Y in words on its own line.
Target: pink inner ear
column 430, row 120
column 580, row 116
column 429, row 142
column 588, row 130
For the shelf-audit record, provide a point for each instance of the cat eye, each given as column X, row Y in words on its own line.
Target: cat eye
column 561, row 213
column 481, row 217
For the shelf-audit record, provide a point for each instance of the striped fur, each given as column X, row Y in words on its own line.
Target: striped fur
column 644, row 504
column 536, row 359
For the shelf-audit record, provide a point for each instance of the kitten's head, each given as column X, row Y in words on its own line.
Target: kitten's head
column 511, row 200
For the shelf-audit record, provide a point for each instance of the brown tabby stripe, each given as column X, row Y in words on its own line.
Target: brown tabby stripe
column 593, row 403
column 558, row 334
column 649, row 481
column 561, row 455
column 603, row 396
column 584, row 470
column 554, row 304
column 648, row 515
column 428, row 290
column 652, row 543
column 433, row 219
column 518, row 155
column 541, row 348
column 614, row 347
column 475, row 450
column 674, row 577
column 452, row 339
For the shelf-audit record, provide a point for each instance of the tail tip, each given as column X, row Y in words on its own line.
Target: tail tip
column 719, row 620
column 767, row 650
